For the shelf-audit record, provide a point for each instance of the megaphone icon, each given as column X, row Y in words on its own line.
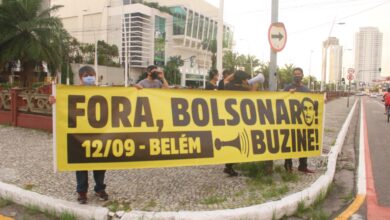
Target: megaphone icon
column 241, row 143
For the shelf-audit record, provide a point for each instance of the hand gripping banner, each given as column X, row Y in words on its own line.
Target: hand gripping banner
column 124, row 128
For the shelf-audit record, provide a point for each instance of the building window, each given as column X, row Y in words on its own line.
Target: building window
column 201, row 27
column 189, row 23
column 195, row 29
column 128, row 2
column 179, row 20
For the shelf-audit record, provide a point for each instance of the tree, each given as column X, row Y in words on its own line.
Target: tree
column 230, row 60
column 264, row 68
column 285, row 75
column 171, row 70
column 30, row 35
column 211, row 45
column 106, row 53
column 250, row 63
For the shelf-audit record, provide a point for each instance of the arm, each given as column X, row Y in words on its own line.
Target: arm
column 165, row 84
column 138, row 86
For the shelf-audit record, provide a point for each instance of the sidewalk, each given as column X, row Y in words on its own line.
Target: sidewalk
column 27, row 163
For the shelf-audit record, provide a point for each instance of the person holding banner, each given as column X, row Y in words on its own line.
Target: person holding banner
column 154, row 79
column 298, row 86
column 88, row 78
column 225, row 75
column 239, row 82
column 213, row 79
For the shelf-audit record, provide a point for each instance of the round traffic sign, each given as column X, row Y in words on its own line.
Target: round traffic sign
column 277, row 36
column 351, row 70
column 350, row 76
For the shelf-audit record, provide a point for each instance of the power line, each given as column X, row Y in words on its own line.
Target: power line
column 345, row 17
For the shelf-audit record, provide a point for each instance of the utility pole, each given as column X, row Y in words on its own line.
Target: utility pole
column 272, row 84
column 96, row 63
column 220, row 37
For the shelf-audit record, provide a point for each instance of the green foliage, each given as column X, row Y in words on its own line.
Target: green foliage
column 5, row 202
column 171, row 70
column 33, row 209
column 301, row 209
column 30, row 35
column 274, row 191
column 211, row 45
column 252, row 170
column 213, row 200
column 155, row 5
column 5, row 85
column 285, row 75
column 289, row 177
column 106, row 54
column 67, row 216
column 230, row 60
column 66, row 70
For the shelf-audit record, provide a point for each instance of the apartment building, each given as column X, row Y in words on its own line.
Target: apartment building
column 368, row 54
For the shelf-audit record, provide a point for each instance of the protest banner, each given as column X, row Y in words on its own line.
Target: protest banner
column 123, row 128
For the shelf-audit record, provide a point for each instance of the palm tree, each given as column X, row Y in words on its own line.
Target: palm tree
column 230, row 60
column 29, row 34
column 211, row 45
column 285, row 75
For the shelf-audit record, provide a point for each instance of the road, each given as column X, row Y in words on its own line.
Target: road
column 377, row 205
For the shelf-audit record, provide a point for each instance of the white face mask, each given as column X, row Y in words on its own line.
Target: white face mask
column 89, row 80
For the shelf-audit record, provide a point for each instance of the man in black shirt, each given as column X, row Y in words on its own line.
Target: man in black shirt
column 221, row 83
column 297, row 86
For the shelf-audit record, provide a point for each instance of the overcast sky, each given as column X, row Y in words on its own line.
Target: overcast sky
column 308, row 24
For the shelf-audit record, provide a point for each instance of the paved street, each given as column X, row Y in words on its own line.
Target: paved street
column 377, row 205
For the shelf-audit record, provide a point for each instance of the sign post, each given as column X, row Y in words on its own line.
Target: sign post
column 350, row 77
column 277, row 38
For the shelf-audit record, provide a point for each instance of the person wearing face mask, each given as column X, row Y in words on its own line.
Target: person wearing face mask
column 154, row 79
column 238, row 82
column 88, row 78
column 297, row 86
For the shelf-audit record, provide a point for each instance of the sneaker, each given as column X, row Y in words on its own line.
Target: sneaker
column 306, row 170
column 102, row 195
column 82, row 198
column 230, row 172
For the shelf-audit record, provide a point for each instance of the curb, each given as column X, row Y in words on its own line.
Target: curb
column 270, row 210
column 52, row 205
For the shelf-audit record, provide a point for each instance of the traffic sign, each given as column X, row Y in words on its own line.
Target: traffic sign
column 351, row 70
column 350, row 76
column 277, row 36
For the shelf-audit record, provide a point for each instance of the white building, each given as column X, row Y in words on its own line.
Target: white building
column 148, row 35
column 368, row 54
column 334, row 60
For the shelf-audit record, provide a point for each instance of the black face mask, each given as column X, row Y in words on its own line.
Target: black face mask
column 297, row 79
column 154, row 75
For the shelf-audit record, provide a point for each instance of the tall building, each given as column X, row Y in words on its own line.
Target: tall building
column 368, row 54
column 334, row 60
column 149, row 33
